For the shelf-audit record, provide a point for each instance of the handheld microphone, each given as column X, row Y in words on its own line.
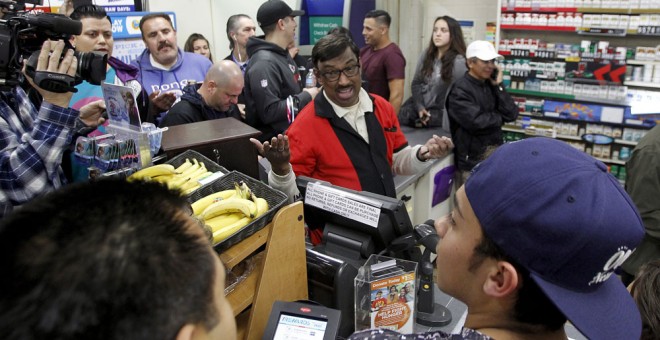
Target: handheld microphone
column 426, row 235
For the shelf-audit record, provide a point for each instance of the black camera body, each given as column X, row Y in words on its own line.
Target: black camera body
column 21, row 37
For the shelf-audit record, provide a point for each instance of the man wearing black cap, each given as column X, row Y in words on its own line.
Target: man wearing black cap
column 273, row 91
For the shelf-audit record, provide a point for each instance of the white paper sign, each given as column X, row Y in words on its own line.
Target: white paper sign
column 354, row 207
column 611, row 115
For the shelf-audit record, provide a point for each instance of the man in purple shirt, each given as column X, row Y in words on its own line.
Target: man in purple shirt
column 383, row 64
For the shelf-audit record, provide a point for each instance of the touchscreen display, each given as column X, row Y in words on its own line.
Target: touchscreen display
column 295, row 327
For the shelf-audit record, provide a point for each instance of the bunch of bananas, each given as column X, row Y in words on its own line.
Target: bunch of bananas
column 185, row 178
column 228, row 211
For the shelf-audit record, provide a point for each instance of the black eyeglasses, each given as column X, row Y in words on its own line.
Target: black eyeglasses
column 349, row 71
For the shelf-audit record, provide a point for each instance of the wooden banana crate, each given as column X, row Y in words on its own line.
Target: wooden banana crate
column 275, row 199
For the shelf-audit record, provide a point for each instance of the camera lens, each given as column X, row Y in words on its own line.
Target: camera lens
column 91, row 66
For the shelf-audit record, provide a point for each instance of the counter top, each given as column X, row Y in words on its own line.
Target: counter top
column 416, row 136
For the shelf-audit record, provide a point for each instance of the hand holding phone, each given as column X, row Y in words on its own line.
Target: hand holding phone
column 496, row 75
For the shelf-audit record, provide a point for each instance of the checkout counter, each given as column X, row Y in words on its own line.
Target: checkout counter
column 427, row 194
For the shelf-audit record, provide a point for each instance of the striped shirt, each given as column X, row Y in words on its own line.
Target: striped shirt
column 31, row 147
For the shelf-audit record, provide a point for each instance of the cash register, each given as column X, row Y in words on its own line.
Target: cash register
column 355, row 225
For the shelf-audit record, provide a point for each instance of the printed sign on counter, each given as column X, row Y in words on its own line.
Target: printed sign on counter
column 345, row 204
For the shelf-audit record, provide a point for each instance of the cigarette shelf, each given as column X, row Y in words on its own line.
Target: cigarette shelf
column 594, row 10
column 538, row 9
column 642, row 62
column 541, row 94
column 642, row 84
column 538, row 28
column 518, row 129
column 570, row 112
column 568, row 97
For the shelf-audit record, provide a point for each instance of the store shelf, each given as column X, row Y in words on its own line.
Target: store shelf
column 539, row 10
column 595, row 10
column 601, row 100
column 611, row 161
column 625, row 142
column 637, row 33
column 538, row 28
column 603, row 31
column 642, row 62
column 619, row 37
column 599, row 10
column 645, row 11
column 642, row 84
column 569, row 137
column 512, row 128
column 541, row 94
column 568, row 97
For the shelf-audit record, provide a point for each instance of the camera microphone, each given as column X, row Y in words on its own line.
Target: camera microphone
column 426, row 235
column 55, row 22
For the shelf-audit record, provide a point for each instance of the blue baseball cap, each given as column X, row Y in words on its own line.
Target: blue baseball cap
column 557, row 212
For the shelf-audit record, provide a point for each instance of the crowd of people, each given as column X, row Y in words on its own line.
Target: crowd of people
column 537, row 232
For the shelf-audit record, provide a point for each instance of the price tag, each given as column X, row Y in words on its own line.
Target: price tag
column 519, row 73
column 545, row 54
column 354, row 207
column 648, row 30
column 520, row 53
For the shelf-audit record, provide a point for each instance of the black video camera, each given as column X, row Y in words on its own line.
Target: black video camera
column 21, row 37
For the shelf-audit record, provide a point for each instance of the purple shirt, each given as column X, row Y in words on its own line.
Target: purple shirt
column 381, row 66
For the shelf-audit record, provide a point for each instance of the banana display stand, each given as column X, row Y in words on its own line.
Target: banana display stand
column 280, row 275
column 274, row 243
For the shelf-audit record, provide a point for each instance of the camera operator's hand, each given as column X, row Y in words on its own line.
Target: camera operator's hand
column 91, row 114
column 50, row 62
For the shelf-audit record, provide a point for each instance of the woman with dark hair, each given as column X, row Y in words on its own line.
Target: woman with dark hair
column 441, row 63
column 197, row 43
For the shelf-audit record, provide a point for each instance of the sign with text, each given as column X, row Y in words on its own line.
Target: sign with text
column 319, row 27
column 354, row 207
column 127, row 50
column 127, row 24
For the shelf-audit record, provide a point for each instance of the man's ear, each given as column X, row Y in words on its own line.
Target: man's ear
column 211, row 85
column 72, row 41
column 186, row 332
column 502, row 280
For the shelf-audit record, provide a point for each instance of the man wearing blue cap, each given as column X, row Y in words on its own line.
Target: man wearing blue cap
column 535, row 236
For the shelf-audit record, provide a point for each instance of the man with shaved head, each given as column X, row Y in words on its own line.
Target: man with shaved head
column 216, row 98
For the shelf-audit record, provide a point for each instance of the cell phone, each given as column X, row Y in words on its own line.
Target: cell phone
column 493, row 75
